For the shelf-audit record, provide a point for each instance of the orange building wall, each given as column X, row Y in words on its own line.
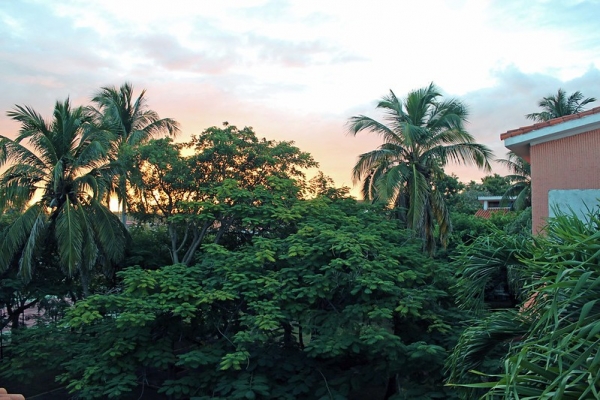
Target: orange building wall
column 569, row 163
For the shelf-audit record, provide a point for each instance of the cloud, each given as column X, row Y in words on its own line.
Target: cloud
column 291, row 54
column 167, row 53
column 502, row 107
column 296, row 70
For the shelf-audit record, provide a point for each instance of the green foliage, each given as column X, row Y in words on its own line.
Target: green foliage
column 494, row 185
column 341, row 302
column 555, row 335
column 465, row 201
column 58, row 160
column 559, row 105
column 449, row 185
column 132, row 123
column 466, row 228
column 232, row 187
column 149, row 246
column 421, row 134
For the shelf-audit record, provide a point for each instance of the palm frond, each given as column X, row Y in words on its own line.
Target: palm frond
column 465, row 153
column 521, row 180
column 479, row 341
column 559, row 105
column 418, row 192
column 17, row 234
column 12, row 152
column 488, row 257
column 361, row 122
column 515, row 164
column 389, row 182
column 421, row 134
column 558, row 355
column 89, row 253
column 108, row 231
column 150, row 127
column 371, row 160
column 32, row 245
column 69, row 237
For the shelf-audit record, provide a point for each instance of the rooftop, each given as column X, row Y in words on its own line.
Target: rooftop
column 488, row 213
column 544, row 124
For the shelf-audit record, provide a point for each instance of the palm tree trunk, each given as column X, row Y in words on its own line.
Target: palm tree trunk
column 124, row 212
column 85, row 282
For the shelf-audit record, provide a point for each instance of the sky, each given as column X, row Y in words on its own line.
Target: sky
column 297, row 70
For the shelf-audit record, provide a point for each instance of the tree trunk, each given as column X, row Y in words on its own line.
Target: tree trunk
column 85, row 282
column 393, row 385
column 124, row 212
column 14, row 314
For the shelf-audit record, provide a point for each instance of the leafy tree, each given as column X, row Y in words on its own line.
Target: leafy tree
column 222, row 190
column 149, row 247
column 450, row 186
column 466, row 200
column 467, row 227
column 343, row 306
column 495, row 184
column 421, row 135
column 521, row 180
column 323, row 185
column 560, row 105
column 132, row 123
column 56, row 184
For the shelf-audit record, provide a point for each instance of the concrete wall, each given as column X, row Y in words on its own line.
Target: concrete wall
column 569, row 163
column 577, row 201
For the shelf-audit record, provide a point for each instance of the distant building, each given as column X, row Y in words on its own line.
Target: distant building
column 564, row 154
column 493, row 204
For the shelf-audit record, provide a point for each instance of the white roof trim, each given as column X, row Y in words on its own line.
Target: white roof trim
column 553, row 132
column 494, row 198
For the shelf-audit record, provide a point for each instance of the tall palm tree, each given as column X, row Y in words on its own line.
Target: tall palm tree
column 521, row 180
column 421, row 135
column 560, row 105
column 132, row 123
column 52, row 180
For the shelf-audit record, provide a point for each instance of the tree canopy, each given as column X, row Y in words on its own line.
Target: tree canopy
column 241, row 279
column 559, row 105
column 221, row 191
column 344, row 305
column 52, row 179
column 132, row 123
column 421, row 134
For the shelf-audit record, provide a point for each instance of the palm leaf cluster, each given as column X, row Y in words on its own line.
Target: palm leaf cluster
column 59, row 176
column 554, row 338
column 520, row 177
column 560, row 105
column 421, row 134
column 133, row 123
column 52, row 176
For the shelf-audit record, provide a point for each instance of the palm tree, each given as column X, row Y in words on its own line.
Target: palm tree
column 521, row 181
column 560, row 105
column 133, row 123
column 421, row 135
column 52, row 180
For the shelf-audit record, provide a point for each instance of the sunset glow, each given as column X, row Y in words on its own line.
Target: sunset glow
column 297, row 70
